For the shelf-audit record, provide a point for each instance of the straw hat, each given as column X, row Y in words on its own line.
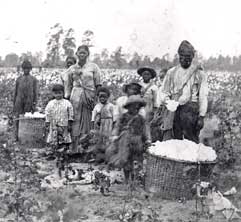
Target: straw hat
column 143, row 69
column 126, row 86
column 135, row 99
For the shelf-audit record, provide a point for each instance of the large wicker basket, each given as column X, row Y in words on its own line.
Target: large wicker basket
column 31, row 132
column 172, row 179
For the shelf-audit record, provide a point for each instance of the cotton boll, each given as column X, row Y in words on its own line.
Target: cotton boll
column 183, row 150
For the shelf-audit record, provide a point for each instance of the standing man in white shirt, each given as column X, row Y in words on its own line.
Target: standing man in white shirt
column 187, row 84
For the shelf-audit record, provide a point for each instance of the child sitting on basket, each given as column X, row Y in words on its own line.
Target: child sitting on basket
column 102, row 123
column 59, row 118
column 131, row 137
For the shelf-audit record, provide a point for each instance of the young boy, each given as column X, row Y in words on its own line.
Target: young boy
column 131, row 136
column 25, row 94
column 59, row 119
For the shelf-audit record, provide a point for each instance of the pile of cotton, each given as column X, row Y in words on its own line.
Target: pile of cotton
column 183, row 150
column 34, row 115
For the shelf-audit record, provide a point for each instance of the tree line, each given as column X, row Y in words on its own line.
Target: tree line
column 62, row 43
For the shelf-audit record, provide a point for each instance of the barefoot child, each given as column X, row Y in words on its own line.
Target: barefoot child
column 130, row 137
column 25, row 94
column 103, row 121
column 59, row 118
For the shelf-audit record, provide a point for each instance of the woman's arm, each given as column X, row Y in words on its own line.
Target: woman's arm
column 96, row 76
column 68, row 84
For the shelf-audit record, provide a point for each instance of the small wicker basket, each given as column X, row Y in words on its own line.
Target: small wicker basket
column 172, row 179
column 31, row 132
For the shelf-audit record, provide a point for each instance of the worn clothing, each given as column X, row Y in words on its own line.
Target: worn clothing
column 149, row 93
column 129, row 147
column 186, row 85
column 81, row 87
column 185, row 122
column 58, row 114
column 25, row 94
column 103, row 116
column 189, row 87
column 119, row 109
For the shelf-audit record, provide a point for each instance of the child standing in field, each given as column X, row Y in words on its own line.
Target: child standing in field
column 131, row 136
column 25, row 94
column 103, row 121
column 129, row 89
column 149, row 91
column 59, row 119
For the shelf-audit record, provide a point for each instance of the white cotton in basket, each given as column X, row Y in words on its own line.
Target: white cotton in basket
column 183, row 150
column 34, row 115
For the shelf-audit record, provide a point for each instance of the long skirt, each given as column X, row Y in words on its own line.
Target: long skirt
column 83, row 104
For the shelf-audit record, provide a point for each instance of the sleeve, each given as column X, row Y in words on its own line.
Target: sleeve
column 48, row 112
column 203, row 95
column 94, row 112
column 165, row 94
column 97, row 76
column 154, row 92
column 35, row 92
column 68, row 84
column 70, row 111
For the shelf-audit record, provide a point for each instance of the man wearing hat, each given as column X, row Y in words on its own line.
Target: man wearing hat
column 187, row 84
column 129, row 89
column 131, row 136
column 148, row 91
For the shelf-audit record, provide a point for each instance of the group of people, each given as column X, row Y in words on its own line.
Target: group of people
column 81, row 106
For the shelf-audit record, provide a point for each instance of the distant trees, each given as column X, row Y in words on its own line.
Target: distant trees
column 11, row 60
column 69, row 43
column 62, row 43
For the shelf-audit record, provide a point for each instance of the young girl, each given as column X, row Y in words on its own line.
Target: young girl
column 130, row 137
column 103, row 121
column 59, row 118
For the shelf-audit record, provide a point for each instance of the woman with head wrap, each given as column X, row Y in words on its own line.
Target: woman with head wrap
column 187, row 85
column 82, row 81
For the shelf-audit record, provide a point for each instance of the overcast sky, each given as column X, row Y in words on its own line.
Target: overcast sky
column 151, row 27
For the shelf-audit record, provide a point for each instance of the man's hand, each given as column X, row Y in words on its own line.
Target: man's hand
column 147, row 144
column 114, row 138
column 200, row 123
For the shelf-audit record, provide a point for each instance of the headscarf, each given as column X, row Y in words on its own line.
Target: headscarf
column 186, row 47
column 85, row 47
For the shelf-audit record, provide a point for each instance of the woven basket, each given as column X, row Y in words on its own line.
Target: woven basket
column 31, row 132
column 172, row 179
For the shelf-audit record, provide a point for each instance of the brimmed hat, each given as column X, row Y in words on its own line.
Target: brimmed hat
column 135, row 99
column 143, row 69
column 125, row 87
